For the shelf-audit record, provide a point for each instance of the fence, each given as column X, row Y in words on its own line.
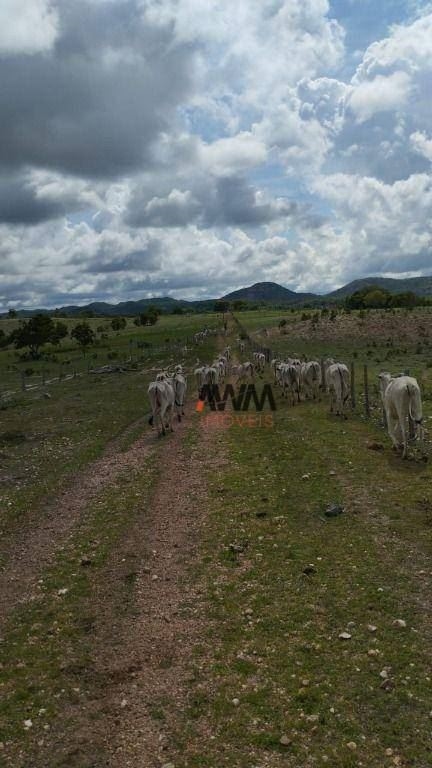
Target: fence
column 17, row 381
column 365, row 397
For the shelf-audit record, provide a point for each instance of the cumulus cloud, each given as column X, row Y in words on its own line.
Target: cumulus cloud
column 150, row 147
column 421, row 144
column 27, row 26
column 381, row 94
column 94, row 104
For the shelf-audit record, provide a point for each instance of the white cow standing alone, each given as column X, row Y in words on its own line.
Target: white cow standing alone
column 402, row 400
column 162, row 398
column 338, row 381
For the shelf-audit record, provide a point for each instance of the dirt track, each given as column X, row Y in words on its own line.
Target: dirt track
column 137, row 664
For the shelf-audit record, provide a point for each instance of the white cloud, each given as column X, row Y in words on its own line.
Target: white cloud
column 27, row 26
column 382, row 94
column 422, row 144
column 233, row 154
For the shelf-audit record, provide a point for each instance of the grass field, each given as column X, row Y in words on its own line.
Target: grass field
column 269, row 679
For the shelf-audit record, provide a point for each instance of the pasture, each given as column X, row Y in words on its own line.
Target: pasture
column 186, row 601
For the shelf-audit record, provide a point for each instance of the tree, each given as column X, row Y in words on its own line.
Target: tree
column 221, row 306
column 12, row 313
column 34, row 333
column 83, row 334
column 60, row 332
column 178, row 311
column 376, row 299
column 149, row 317
column 118, row 323
column 239, row 305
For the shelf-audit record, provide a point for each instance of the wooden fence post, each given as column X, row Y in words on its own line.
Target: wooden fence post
column 353, row 393
column 366, row 391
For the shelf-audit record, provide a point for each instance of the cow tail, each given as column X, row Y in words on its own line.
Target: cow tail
column 415, row 406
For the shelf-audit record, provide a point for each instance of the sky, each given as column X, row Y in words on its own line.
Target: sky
column 191, row 147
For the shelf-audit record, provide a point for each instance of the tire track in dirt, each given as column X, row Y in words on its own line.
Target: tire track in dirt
column 29, row 551
column 170, row 620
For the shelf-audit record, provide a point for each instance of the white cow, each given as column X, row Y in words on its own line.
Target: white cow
column 273, row 365
column 243, row 371
column 211, row 375
column 311, row 378
column 338, row 381
column 290, row 381
column 162, row 398
column 199, row 374
column 326, row 365
column 402, row 400
column 260, row 361
column 180, row 386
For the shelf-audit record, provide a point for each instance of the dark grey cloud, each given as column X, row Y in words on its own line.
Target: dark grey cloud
column 94, row 105
column 213, row 202
column 141, row 260
column 20, row 204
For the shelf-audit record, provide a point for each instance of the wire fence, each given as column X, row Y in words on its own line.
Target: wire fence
column 365, row 397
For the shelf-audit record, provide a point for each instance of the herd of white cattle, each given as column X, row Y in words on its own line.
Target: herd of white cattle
column 298, row 380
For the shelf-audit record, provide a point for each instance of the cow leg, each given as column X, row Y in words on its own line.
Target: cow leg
column 393, row 430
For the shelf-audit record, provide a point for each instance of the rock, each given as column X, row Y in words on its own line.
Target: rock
column 28, row 724
column 384, row 674
column 332, row 473
column 333, row 510
column 387, row 685
column 237, row 547
column 372, row 628
column 352, row 745
column 373, row 652
column 306, row 476
column 309, row 569
column 373, row 446
column 62, row 591
column 123, row 703
column 47, row 395
column 344, row 636
column 86, row 560
column 235, row 702
column 168, row 765
column 155, row 577
column 285, row 740
column 400, row 623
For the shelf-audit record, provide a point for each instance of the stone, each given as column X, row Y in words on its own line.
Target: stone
column 285, row 740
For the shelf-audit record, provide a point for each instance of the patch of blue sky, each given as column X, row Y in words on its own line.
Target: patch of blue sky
column 366, row 21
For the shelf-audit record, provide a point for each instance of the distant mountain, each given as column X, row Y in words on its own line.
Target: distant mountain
column 422, row 286
column 125, row 308
column 269, row 293
column 259, row 293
